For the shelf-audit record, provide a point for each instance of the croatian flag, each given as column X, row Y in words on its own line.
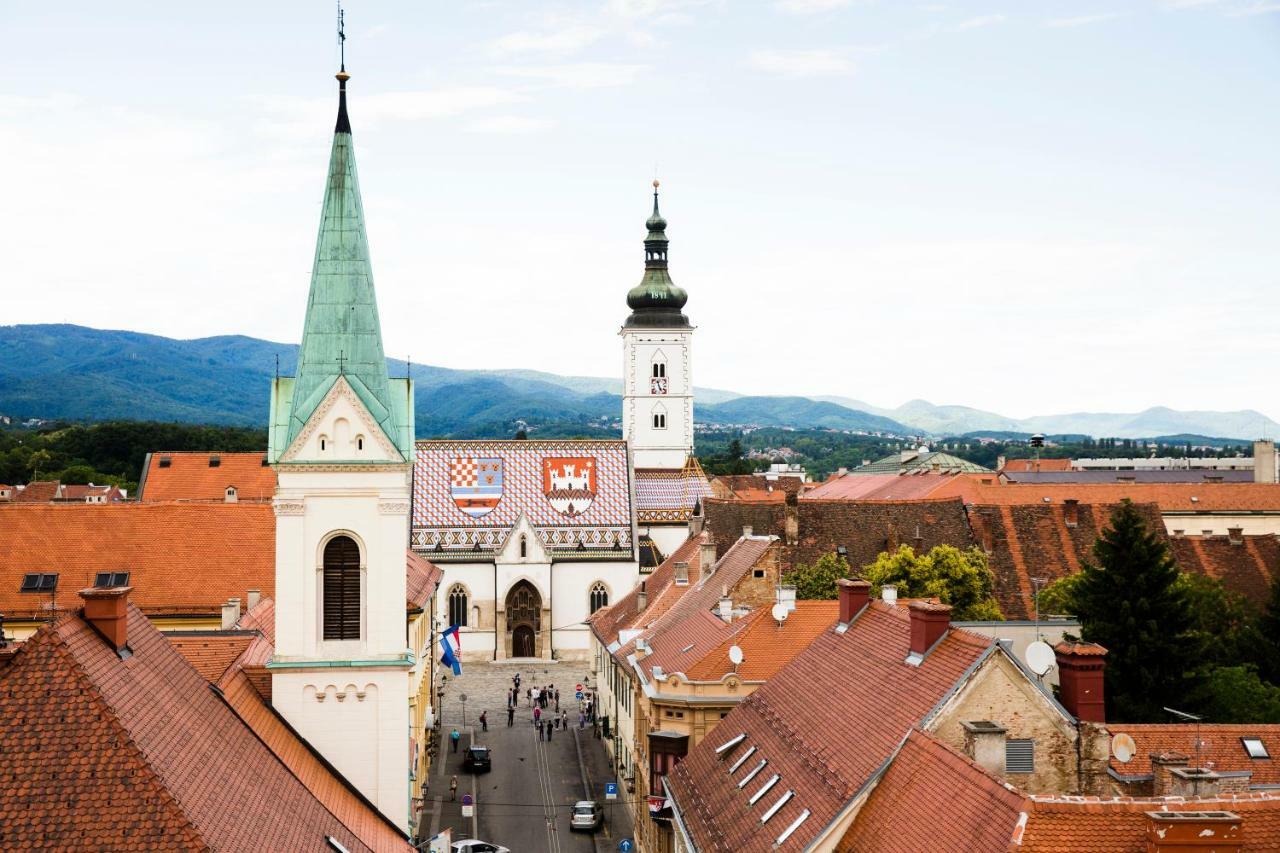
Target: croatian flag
column 452, row 649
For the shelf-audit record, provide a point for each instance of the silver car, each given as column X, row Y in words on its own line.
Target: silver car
column 587, row 814
column 475, row 845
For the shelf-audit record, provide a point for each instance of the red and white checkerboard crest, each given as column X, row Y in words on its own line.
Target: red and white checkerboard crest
column 569, row 482
column 476, row 484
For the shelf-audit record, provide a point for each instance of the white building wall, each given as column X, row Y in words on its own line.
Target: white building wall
column 668, row 537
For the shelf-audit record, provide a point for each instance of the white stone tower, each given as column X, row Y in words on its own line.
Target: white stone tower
column 657, row 394
column 341, row 442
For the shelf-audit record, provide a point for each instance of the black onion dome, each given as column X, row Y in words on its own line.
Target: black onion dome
column 656, row 301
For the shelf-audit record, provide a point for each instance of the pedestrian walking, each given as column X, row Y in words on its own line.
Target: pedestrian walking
column 537, row 715
column 455, row 737
column 564, row 719
column 537, row 696
column 511, row 716
column 548, row 731
column 557, row 700
column 582, row 720
column 539, row 729
column 528, row 695
column 484, row 721
column 453, row 787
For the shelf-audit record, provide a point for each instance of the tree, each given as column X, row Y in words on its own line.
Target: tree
column 1059, row 597
column 961, row 579
column 1131, row 602
column 817, row 581
column 1269, row 636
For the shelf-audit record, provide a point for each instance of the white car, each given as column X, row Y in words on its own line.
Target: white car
column 475, row 845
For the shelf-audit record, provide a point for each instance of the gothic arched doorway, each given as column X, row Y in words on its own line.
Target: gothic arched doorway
column 524, row 621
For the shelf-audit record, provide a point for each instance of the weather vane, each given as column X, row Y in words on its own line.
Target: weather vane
column 342, row 38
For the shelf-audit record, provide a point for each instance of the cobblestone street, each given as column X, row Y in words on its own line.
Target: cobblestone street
column 525, row 802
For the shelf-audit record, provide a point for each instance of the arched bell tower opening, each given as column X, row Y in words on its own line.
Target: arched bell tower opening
column 526, row 635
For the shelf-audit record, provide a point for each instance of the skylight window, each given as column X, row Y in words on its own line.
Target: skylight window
column 111, row 579
column 752, row 774
column 730, row 744
column 773, row 809
column 764, row 789
column 795, row 824
column 39, row 582
column 166, row 461
column 742, row 759
column 1255, row 747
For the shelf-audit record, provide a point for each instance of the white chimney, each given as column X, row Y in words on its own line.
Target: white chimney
column 255, row 595
column 889, row 595
column 841, row 471
column 747, row 530
column 726, row 609
column 787, row 597
column 642, row 647
column 230, row 613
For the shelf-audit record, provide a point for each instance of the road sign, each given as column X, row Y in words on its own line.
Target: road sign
column 468, row 805
column 578, row 696
column 626, row 845
column 578, row 688
column 611, row 790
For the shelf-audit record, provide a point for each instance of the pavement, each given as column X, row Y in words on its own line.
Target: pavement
column 524, row 802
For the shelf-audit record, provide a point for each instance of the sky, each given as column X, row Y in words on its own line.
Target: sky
column 1028, row 207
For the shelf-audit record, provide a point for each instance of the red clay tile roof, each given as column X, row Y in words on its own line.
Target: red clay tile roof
column 40, row 491
column 189, row 477
column 138, row 754
column 1247, row 567
column 1170, row 497
column 182, row 558
column 688, row 629
column 1220, row 747
column 211, row 653
column 824, row 724
column 933, row 798
column 766, row 647
column 423, row 576
column 261, row 618
column 80, row 493
column 1087, row 825
column 880, row 487
column 660, row 589
column 1024, row 466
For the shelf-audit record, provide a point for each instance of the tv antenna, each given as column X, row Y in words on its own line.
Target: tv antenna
column 1038, row 583
column 1189, row 718
column 342, row 38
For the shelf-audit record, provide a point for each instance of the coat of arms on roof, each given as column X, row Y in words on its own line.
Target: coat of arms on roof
column 476, row 484
column 569, row 483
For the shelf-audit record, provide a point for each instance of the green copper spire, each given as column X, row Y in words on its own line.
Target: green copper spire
column 341, row 336
column 656, row 301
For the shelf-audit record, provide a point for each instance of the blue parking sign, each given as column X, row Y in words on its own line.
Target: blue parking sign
column 611, row 790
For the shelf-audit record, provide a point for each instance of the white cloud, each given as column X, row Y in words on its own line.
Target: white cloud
column 980, row 21
column 801, row 63
column 510, row 124
column 567, row 40
column 577, row 75
column 1259, row 7
column 809, row 7
column 1081, row 20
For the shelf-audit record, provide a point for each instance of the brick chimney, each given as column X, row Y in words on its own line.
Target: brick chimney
column 707, row 556
column 929, row 622
column 1162, row 766
column 1217, row 831
column 984, row 742
column 107, row 610
column 642, row 597
column 1071, row 512
column 853, row 595
column 1193, row 782
column 1080, row 673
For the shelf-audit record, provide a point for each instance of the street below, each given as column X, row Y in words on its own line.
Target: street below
column 525, row 802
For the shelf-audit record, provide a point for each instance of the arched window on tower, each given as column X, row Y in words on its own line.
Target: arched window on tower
column 341, row 589
column 659, row 369
column 659, row 416
column 599, row 596
column 457, row 605
column 524, row 545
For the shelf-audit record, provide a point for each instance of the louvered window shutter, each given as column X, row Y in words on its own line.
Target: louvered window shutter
column 341, row 589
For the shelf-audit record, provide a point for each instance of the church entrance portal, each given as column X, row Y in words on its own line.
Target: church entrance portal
column 522, row 642
column 524, row 621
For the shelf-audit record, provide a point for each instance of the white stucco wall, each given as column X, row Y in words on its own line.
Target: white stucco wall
column 657, row 448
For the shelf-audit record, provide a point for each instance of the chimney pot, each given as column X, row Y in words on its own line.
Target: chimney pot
column 707, row 557
column 230, row 613
column 746, row 531
column 1080, row 680
column 1194, row 829
column 853, row 595
column 255, row 595
column 984, row 742
column 889, row 594
column 929, row 622
column 107, row 610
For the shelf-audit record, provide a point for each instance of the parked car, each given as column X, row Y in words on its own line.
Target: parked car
column 475, row 845
column 587, row 814
column 477, row 759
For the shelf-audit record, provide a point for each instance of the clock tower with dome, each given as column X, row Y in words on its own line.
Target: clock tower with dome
column 657, row 401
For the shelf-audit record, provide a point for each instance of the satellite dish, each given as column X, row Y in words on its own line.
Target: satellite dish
column 1040, row 657
column 1123, row 748
column 735, row 655
column 780, row 612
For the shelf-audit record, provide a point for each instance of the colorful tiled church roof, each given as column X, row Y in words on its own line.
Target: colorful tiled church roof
column 667, row 495
column 467, row 496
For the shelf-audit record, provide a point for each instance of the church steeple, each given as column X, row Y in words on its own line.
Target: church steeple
column 656, row 301
column 341, row 336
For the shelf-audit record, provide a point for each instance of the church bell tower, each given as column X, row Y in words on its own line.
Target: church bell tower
column 341, row 443
column 657, row 394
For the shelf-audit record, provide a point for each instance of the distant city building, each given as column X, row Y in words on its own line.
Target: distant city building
column 919, row 459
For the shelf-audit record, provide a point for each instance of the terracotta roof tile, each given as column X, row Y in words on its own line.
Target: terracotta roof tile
column 1170, row 497
column 141, row 754
column 188, row 476
column 211, row 653
column 422, row 579
column 766, row 646
column 1033, row 465
column 825, row 724
column 1221, row 748
column 880, row 487
column 932, row 798
column 40, row 491
column 1077, row 825
column 660, row 590
column 182, row 558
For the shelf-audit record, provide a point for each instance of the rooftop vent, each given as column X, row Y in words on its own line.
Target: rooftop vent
column 166, row 461
column 215, row 461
